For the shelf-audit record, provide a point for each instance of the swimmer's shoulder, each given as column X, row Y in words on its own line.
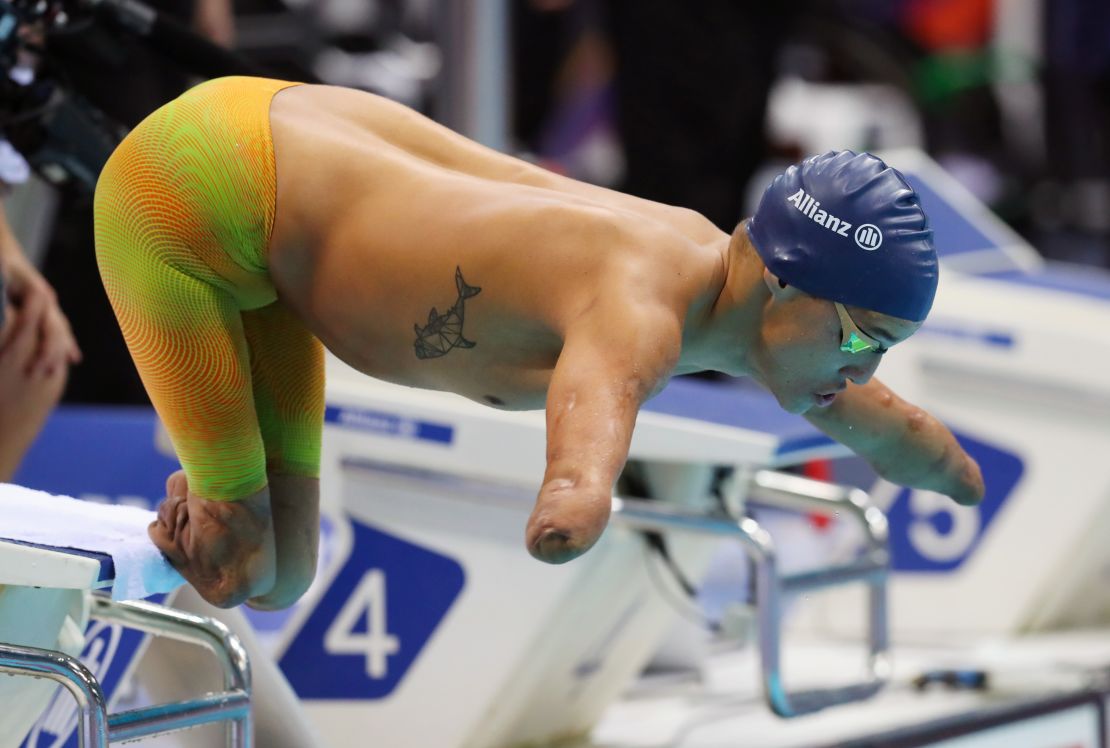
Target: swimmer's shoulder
column 640, row 257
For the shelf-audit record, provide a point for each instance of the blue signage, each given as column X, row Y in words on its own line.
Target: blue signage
column 931, row 533
column 389, row 424
column 370, row 625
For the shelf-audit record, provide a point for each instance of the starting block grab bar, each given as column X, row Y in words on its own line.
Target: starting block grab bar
column 782, row 491
column 96, row 728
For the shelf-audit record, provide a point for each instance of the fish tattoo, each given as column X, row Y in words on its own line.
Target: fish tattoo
column 444, row 331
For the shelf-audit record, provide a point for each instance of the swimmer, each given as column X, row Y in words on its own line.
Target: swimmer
column 250, row 222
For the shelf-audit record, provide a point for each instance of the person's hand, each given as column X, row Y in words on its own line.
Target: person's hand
column 27, row 395
column 38, row 309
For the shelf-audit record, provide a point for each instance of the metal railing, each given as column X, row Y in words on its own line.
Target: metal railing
column 793, row 493
column 96, row 728
column 69, row 672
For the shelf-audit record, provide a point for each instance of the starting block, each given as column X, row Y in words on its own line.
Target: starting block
column 48, row 596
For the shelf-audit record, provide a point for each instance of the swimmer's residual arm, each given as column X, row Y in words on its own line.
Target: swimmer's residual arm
column 611, row 361
column 905, row 444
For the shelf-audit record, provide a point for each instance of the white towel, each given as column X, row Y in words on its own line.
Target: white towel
column 118, row 531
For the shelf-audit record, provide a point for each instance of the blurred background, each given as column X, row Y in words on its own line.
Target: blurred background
column 694, row 104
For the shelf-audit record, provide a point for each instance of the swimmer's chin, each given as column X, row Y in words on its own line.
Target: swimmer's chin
column 794, row 405
column 798, row 407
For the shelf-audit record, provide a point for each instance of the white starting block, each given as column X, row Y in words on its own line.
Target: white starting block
column 428, row 600
column 46, row 602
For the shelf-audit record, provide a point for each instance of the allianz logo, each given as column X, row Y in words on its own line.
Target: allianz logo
column 867, row 236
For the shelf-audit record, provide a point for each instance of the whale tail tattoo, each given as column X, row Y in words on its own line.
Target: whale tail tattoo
column 444, row 331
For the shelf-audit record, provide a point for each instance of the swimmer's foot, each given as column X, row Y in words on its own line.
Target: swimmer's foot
column 225, row 549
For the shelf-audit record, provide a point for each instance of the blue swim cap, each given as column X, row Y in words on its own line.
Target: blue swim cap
column 846, row 227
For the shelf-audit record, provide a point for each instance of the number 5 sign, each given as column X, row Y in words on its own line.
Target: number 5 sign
column 369, row 626
column 930, row 533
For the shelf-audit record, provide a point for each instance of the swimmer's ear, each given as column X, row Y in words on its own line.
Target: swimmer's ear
column 780, row 289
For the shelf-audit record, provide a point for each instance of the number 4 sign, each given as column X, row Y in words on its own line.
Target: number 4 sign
column 374, row 619
column 343, row 637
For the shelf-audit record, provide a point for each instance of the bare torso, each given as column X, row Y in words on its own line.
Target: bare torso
column 377, row 207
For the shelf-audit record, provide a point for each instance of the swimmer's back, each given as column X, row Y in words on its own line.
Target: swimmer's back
column 377, row 206
column 318, row 117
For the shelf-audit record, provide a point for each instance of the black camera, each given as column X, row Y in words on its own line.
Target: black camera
column 65, row 138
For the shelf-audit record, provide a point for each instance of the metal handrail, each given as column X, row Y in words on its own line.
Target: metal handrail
column 96, row 728
column 796, row 493
column 232, row 706
column 871, row 569
column 92, row 718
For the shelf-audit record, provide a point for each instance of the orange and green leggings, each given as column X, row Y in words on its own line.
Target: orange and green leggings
column 183, row 214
